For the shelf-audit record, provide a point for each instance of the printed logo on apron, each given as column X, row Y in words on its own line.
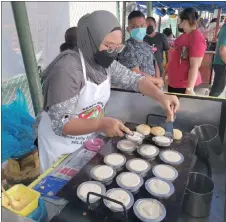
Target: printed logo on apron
column 92, row 112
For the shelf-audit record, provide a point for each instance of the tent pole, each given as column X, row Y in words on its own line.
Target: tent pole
column 159, row 26
column 124, row 20
column 28, row 54
column 178, row 17
column 149, row 9
column 118, row 10
column 212, row 15
column 218, row 23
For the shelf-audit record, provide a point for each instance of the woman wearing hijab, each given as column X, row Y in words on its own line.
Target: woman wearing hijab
column 77, row 87
column 70, row 39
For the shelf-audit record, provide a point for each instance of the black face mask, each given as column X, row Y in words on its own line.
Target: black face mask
column 150, row 30
column 105, row 58
column 181, row 30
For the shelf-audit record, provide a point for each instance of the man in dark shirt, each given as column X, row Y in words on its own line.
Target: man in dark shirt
column 137, row 54
column 157, row 41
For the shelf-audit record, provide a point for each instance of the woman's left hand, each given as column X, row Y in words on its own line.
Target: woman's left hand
column 170, row 103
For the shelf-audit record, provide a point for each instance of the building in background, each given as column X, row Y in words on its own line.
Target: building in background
column 48, row 23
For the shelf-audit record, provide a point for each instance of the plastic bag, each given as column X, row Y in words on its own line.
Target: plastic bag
column 9, row 145
column 39, row 214
column 17, row 128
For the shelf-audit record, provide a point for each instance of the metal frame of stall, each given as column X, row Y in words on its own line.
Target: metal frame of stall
column 28, row 54
column 27, row 49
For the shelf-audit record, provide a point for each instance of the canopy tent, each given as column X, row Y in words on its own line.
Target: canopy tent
column 209, row 6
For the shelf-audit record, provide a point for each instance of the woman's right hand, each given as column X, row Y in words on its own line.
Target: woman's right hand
column 113, row 127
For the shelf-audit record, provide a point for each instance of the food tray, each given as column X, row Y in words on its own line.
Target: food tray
column 186, row 147
column 27, row 194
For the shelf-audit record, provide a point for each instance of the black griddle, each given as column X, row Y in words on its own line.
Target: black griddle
column 76, row 210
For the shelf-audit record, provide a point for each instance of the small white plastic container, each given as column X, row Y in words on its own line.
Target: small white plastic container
column 171, row 157
column 162, row 141
column 159, row 188
column 149, row 210
column 127, row 146
column 121, row 195
column 165, row 172
column 136, row 137
column 138, row 166
column 103, row 173
column 148, row 151
column 115, row 160
column 130, row 181
column 90, row 186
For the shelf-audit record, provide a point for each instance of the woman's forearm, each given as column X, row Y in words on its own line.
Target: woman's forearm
column 156, row 81
column 146, row 87
column 192, row 77
column 76, row 126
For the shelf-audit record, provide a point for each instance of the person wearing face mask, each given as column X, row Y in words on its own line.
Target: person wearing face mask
column 137, row 54
column 77, row 86
column 158, row 40
column 186, row 56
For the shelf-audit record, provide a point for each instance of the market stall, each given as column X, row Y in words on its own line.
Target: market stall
column 75, row 169
column 61, row 186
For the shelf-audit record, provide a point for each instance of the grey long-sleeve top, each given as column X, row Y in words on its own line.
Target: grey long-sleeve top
column 62, row 112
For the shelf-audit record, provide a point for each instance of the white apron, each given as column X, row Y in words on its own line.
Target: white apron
column 91, row 103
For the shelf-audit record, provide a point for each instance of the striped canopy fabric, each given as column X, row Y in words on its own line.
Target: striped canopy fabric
column 209, row 6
